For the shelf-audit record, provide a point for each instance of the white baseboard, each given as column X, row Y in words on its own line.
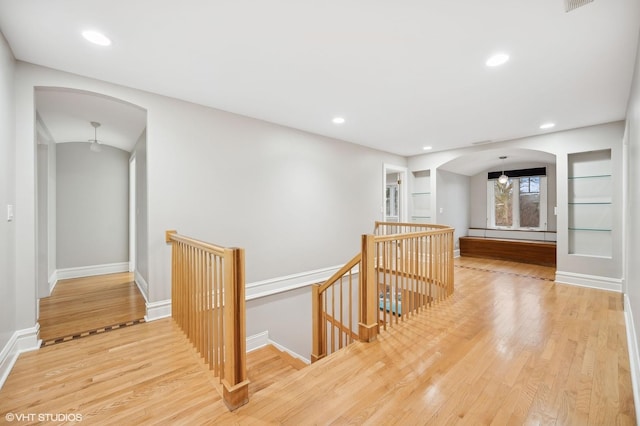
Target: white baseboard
column 456, row 253
column 21, row 341
column 53, row 280
column 257, row 341
column 90, row 271
column 290, row 352
column 260, row 340
column 142, row 285
column 158, row 310
column 591, row 281
column 634, row 354
column 277, row 285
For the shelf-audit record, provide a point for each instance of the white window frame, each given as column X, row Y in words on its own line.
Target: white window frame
column 491, row 211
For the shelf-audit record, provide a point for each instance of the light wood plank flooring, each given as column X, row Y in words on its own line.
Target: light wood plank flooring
column 80, row 306
column 509, row 347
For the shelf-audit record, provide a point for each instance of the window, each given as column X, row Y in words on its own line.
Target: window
column 521, row 203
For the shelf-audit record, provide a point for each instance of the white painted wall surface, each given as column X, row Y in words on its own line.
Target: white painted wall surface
column 287, row 317
column 92, row 206
column 453, row 199
column 7, row 196
column 142, row 219
column 632, row 271
column 295, row 201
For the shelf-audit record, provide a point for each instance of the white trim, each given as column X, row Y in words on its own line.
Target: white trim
column 158, row 310
column 456, row 253
column 21, row 341
column 290, row 352
column 142, row 285
column 257, row 341
column 53, row 280
column 261, row 340
column 8, row 357
column 634, row 354
column 90, row 271
column 590, row 281
column 277, row 285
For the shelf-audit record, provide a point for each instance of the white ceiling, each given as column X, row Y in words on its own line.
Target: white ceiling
column 67, row 116
column 404, row 73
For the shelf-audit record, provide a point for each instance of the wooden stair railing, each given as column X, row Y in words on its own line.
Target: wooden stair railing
column 402, row 269
column 413, row 271
column 208, row 304
column 331, row 329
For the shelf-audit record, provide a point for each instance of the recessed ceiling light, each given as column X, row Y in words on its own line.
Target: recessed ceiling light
column 497, row 60
column 547, row 126
column 96, row 37
column 427, row 148
column 338, row 120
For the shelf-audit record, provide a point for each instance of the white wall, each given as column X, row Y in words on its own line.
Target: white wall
column 7, row 194
column 92, row 206
column 632, row 271
column 287, row 318
column 51, row 211
column 453, row 198
column 479, row 194
column 141, row 214
column 295, row 201
column 46, row 209
column 604, row 271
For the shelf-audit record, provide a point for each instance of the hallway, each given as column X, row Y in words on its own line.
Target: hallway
column 80, row 307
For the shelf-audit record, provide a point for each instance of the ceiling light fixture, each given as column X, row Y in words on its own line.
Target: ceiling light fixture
column 427, row 148
column 503, row 179
column 96, row 37
column 338, row 120
column 497, row 60
column 95, row 145
column 547, row 126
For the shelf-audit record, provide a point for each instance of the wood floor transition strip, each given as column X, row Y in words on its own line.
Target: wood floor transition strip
column 56, row 340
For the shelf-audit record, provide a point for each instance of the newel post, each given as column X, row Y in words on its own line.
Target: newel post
column 318, row 334
column 368, row 322
column 235, row 383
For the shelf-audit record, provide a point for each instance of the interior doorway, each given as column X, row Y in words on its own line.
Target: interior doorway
column 88, row 198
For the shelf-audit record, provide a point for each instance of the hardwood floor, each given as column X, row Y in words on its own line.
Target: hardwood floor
column 509, row 347
column 268, row 365
column 82, row 306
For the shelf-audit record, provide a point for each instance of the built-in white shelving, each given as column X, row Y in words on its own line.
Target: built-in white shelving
column 421, row 197
column 590, row 203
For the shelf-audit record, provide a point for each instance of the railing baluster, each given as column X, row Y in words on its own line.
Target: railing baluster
column 400, row 275
column 208, row 304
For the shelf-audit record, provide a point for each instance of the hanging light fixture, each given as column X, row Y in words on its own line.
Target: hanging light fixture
column 503, row 179
column 95, row 145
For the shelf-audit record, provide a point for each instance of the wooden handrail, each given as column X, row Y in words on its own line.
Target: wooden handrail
column 208, row 303
column 329, row 329
column 380, row 228
column 336, row 276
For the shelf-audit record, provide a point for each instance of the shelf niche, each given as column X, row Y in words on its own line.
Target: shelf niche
column 421, row 197
column 590, row 204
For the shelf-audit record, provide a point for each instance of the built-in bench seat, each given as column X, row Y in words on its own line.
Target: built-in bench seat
column 525, row 251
